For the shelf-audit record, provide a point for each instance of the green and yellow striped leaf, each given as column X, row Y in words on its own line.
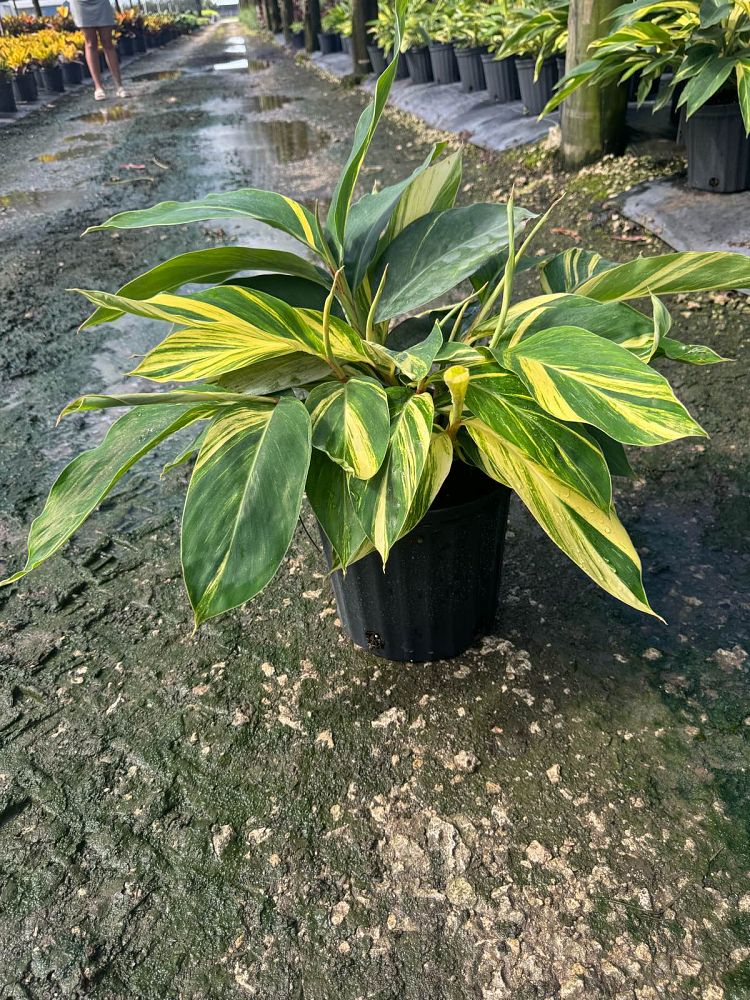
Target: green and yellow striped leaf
column 264, row 378
column 501, row 401
column 226, row 328
column 351, row 424
column 275, row 210
column 86, row 481
column 569, row 269
column 667, row 273
column 416, row 361
column 615, row 321
column 382, row 503
column 212, row 266
column 691, row 354
column 328, row 492
column 432, row 190
column 594, row 539
column 580, row 377
column 215, row 397
column 242, row 503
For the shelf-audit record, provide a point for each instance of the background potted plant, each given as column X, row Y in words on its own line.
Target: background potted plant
column 298, row 34
column 442, row 53
column 536, row 36
column 700, row 56
column 500, row 74
column 15, row 56
column 7, row 100
column 415, row 45
column 469, row 32
column 329, row 38
column 381, row 31
column 406, row 432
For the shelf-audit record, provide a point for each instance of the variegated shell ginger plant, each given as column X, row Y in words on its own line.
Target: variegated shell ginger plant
column 316, row 376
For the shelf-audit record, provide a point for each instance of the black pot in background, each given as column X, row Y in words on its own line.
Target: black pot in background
column 41, row 83
column 443, row 61
column 419, row 64
column 140, row 41
column 402, row 71
column 346, row 44
column 470, row 69
column 536, row 94
column 127, row 45
column 298, row 39
column 7, row 100
column 718, row 151
column 27, row 88
column 329, row 42
column 377, row 58
column 560, row 66
column 439, row 591
column 502, row 79
column 72, row 73
column 53, row 78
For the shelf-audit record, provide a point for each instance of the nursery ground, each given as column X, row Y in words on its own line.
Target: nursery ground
column 260, row 810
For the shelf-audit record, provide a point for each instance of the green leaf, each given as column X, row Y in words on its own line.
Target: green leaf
column 382, row 503
column 578, row 376
column 211, row 266
column 242, row 503
column 273, row 209
column 86, row 481
column 669, row 272
column 594, row 539
column 296, row 292
column 368, row 218
column 614, row 453
column 416, row 361
column 569, row 269
column 189, row 452
column 501, row 401
column 226, row 328
column 705, row 83
column 265, row 378
column 433, row 190
column 438, row 251
column 742, row 72
column 351, row 424
column 342, row 195
column 459, row 354
column 215, row 396
column 691, row 354
column 328, row 493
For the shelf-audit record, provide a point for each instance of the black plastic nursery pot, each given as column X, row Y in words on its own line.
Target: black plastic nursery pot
column 470, row 69
column 377, row 59
column 53, row 78
column 127, row 45
column 502, row 78
column 27, row 88
column 7, row 100
column 418, row 63
column 718, row 151
column 329, row 42
column 346, row 44
column 140, row 42
column 72, row 73
column 439, row 590
column 560, row 66
column 536, row 93
column 298, row 39
column 402, row 70
column 443, row 61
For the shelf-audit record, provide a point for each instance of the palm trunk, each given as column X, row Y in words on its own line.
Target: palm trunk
column 362, row 12
column 274, row 16
column 287, row 16
column 312, row 25
column 37, row 8
column 593, row 118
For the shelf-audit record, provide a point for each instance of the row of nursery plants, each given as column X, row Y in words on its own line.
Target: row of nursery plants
column 390, row 372
column 692, row 56
column 49, row 51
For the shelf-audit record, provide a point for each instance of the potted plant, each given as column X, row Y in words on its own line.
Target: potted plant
column 500, row 74
column 7, row 100
column 71, row 55
column 469, row 27
column 442, row 52
column 407, row 434
column 47, row 56
column 329, row 38
column 537, row 35
column 700, row 53
column 381, row 33
column 297, row 29
column 415, row 45
column 16, row 58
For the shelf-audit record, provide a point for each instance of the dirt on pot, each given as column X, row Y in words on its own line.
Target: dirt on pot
column 261, row 810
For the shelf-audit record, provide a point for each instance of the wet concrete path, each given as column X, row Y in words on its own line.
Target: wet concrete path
column 262, row 811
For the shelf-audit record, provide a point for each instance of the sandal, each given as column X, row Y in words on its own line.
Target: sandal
column 99, row 95
column 121, row 93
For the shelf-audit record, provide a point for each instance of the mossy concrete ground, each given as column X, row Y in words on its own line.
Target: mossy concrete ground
column 260, row 810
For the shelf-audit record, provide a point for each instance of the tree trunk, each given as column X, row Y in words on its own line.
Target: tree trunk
column 593, row 118
column 37, row 8
column 312, row 25
column 362, row 12
column 287, row 16
column 274, row 16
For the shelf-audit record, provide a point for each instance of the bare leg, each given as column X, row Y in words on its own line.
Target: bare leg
column 91, row 49
column 110, row 54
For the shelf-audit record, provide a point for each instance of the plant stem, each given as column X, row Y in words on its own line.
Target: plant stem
column 510, row 270
column 369, row 325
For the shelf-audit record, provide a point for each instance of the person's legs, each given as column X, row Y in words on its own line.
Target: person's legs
column 110, row 54
column 91, row 49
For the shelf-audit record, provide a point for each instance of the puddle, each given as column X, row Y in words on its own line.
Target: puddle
column 251, row 65
column 266, row 102
column 256, row 143
column 117, row 113
column 84, row 137
column 159, row 74
column 71, row 153
column 40, row 201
